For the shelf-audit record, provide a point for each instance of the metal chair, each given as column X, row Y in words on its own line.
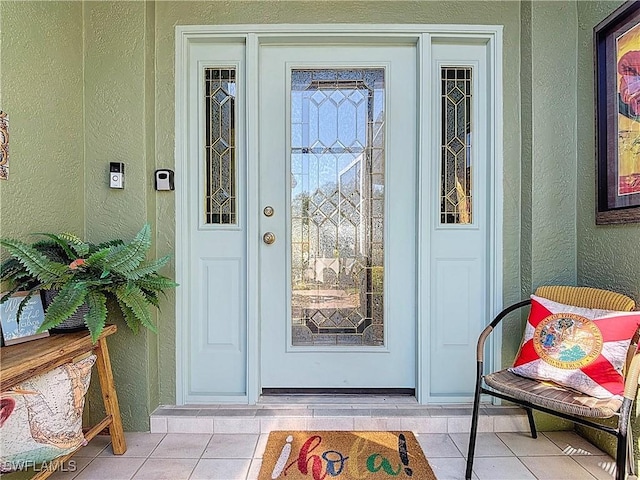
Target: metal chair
column 557, row 400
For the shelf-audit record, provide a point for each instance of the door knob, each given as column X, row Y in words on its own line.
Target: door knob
column 269, row 238
column 268, row 211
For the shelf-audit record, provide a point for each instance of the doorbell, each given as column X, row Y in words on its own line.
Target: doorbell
column 116, row 174
column 164, row 179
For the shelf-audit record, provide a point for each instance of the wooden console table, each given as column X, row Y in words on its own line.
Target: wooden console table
column 23, row 361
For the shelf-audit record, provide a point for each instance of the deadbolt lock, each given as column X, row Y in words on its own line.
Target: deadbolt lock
column 269, row 238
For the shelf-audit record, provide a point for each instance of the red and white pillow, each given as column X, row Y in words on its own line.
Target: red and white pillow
column 581, row 348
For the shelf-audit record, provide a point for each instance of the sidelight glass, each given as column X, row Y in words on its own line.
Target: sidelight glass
column 456, row 165
column 220, row 151
column 337, row 150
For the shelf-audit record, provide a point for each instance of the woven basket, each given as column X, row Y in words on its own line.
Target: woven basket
column 74, row 323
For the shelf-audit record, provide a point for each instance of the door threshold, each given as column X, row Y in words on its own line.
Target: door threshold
column 342, row 399
column 408, row 392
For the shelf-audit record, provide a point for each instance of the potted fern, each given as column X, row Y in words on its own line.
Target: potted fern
column 81, row 276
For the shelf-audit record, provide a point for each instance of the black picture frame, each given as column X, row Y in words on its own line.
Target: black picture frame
column 618, row 115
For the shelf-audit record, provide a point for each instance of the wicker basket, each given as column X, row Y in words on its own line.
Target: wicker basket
column 74, row 323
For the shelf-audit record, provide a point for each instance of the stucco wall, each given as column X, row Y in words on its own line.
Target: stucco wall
column 77, row 81
column 170, row 14
column 123, row 110
column 548, row 158
column 41, row 90
column 608, row 256
column 553, row 133
column 119, row 126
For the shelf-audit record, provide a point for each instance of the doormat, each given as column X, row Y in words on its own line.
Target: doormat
column 297, row 455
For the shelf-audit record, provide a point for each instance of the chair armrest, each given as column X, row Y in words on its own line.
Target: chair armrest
column 487, row 331
column 631, row 379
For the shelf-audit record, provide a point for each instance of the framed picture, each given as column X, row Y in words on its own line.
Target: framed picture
column 617, row 69
column 30, row 320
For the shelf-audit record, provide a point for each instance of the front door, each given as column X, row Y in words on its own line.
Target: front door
column 338, row 200
column 338, row 208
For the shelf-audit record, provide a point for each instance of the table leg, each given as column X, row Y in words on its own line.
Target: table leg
column 110, row 398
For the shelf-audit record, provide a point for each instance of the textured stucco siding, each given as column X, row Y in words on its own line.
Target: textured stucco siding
column 86, row 83
column 123, row 56
column 41, row 91
column 118, row 103
column 547, row 240
column 170, row 14
column 553, row 133
column 76, row 80
column 608, row 256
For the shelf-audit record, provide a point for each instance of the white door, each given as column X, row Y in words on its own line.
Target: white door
column 337, row 155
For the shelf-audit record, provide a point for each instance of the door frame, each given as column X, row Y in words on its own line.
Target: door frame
column 255, row 35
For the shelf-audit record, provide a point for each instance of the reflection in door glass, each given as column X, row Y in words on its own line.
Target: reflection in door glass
column 337, row 206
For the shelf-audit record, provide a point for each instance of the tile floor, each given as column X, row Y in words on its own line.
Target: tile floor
column 178, row 456
column 226, row 442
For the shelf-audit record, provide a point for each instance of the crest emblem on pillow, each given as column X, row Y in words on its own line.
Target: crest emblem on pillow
column 581, row 348
column 567, row 340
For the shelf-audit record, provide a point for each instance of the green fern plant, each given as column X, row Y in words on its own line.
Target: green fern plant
column 84, row 273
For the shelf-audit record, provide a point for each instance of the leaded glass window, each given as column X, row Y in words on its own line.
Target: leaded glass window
column 456, row 165
column 220, row 151
column 337, row 206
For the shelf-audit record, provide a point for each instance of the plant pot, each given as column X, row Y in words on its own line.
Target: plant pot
column 72, row 324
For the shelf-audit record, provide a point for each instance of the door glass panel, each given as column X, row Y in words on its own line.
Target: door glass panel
column 220, row 171
column 337, row 206
column 455, row 176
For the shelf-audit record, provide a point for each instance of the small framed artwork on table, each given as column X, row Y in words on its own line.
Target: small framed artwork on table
column 617, row 82
column 31, row 317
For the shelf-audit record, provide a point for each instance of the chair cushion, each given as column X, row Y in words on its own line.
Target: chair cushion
column 552, row 396
column 581, row 348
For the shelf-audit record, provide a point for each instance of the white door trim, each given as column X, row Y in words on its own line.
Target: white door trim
column 253, row 36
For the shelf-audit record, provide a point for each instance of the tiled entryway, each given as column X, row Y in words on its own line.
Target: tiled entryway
column 224, row 456
column 226, row 442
